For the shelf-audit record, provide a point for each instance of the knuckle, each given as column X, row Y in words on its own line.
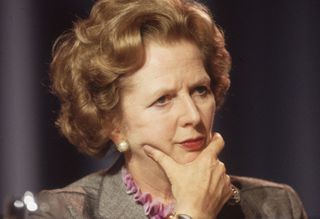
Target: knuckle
column 221, row 167
column 218, row 137
column 218, row 143
column 220, row 140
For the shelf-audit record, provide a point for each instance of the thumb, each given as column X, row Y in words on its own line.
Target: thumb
column 166, row 162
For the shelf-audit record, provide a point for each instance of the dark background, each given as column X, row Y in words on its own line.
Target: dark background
column 270, row 122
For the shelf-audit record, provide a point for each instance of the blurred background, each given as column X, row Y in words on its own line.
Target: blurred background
column 270, row 122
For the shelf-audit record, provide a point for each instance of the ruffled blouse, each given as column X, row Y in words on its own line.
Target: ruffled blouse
column 153, row 208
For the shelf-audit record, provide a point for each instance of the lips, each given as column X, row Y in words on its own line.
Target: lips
column 193, row 144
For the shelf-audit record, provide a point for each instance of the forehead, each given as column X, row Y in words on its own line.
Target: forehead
column 172, row 54
column 164, row 61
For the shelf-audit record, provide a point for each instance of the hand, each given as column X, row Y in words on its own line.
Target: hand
column 200, row 187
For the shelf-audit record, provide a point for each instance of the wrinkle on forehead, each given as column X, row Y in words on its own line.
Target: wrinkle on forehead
column 159, row 55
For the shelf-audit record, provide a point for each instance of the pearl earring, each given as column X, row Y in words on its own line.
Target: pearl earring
column 123, row 146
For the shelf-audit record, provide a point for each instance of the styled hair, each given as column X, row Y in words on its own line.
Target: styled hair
column 90, row 59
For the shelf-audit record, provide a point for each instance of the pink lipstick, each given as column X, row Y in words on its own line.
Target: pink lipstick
column 193, row 144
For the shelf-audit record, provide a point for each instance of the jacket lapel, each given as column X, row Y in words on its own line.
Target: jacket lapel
column 114, row 202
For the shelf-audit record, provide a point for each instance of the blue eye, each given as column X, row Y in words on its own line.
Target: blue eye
column 201, row 90
column 162, row 100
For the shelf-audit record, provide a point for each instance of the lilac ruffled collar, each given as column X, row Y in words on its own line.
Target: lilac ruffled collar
column 152, row 208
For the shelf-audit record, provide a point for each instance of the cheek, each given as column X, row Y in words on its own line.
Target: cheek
column 148, row 129
column 208, row 112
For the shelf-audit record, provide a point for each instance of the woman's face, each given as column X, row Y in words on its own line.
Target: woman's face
column 169, row 104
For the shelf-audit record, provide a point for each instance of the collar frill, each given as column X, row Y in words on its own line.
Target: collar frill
column 152, row 207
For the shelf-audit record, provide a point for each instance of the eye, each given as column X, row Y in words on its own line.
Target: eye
column 162, row 100
column 201, row 90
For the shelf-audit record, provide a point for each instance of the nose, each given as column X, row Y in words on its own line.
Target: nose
column 190, row 113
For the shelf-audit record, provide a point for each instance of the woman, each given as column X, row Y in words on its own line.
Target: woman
column 149, row 76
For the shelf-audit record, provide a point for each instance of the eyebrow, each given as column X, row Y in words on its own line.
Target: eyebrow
column 202, row 80
column 168, row 89
column 160, row 91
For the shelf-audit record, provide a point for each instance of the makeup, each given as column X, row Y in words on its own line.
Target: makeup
column 193, row 144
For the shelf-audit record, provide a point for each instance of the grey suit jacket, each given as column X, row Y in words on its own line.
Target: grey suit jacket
column 103, row 195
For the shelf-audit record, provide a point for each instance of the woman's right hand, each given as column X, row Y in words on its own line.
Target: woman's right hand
column 200, row 187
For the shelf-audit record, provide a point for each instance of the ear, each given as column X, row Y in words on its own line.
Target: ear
column 116, row 135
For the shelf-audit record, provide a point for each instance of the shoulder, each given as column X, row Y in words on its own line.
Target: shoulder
column 72, row 201
column 262, row 198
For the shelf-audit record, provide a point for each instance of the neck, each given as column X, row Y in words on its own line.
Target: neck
column 150, row 178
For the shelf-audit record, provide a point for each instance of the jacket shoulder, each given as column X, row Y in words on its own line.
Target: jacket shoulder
column 72, row 201
column 265, row 198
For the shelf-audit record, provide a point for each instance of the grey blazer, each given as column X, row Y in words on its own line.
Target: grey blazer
column 103, row 195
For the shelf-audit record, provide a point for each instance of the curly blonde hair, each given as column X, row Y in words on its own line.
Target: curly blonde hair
column 90, row 60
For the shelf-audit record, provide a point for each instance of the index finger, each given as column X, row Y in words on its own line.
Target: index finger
column 214, row 147
column 166, row 162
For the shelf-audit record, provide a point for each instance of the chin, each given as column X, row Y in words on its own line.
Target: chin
column 188, row 157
